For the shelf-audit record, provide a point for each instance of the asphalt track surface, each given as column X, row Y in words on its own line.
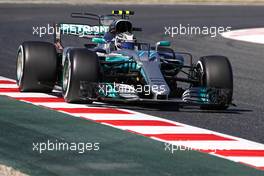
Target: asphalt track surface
column 245, row 120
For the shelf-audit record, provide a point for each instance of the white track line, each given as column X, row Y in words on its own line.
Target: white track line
column 62, row 105
column 254, row 161
column 253, row 35
column 4, row 78
column 31, row 95
column 219, row 145
column 165, row 129
column 94, row 116
column 8, row 86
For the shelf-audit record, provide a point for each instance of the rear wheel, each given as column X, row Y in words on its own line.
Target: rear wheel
column 216, row 72
column 36, row 66
column 80, row 65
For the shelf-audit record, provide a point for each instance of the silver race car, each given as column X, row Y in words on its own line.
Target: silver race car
column 115, row 66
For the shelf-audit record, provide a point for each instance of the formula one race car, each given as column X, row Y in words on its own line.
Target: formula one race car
column 114, row 66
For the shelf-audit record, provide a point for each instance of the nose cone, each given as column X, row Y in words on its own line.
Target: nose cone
column 160, row 91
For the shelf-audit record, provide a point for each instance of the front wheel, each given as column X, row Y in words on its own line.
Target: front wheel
column 216, row 72
column 80, row 65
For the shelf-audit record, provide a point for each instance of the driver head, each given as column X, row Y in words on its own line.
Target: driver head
column 125, row 40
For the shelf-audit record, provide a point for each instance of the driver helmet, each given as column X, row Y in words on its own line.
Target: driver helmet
column 125, row 40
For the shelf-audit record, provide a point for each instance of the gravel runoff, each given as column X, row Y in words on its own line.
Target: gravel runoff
column 9, row 171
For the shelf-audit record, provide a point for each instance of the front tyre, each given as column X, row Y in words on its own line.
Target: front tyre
column 216, row 72
column 80, row 65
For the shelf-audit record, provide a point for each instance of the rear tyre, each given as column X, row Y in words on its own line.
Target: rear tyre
column 216, row 72
column 36, row 66
column 80, row 65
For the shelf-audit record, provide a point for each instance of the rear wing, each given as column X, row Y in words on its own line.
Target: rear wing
column 96, row 26
column 89, row 30
column 81, row 30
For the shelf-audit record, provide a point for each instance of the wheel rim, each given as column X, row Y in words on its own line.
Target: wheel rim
column 201, row 73
column 66, row 76
column 20, row 65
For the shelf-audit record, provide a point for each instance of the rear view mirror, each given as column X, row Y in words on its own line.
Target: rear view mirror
column 162, row 43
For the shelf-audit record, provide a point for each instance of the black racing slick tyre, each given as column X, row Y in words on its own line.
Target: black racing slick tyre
column 216, row 72
column 36, row 66
column 80, row 65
